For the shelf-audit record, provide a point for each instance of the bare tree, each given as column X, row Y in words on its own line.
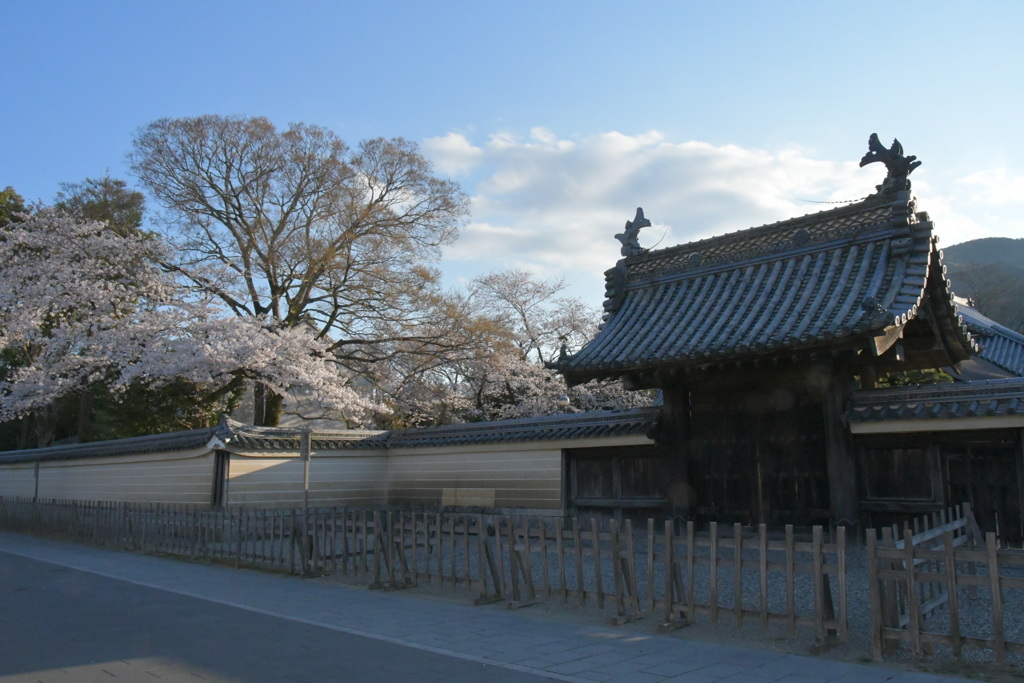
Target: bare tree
column 524, row 322
column 296, row 228
column 996, row 290
column 538, row 321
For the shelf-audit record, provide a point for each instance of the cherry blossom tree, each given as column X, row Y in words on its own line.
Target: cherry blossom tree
column 82, row 305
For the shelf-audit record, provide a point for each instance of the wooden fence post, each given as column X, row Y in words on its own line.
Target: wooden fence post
column 841, row 560
column 913, row 605
column 650, row 565
column 762, row 573
column 560, row 549
column 956, row 642
column 819, row 585
column 673, row 594
column 737, row 574
column 577, row 542
column 874, row 590
column 627, row 604
column 713, row 572
column 488, row 565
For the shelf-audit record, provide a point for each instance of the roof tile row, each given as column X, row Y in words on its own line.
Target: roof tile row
column 981, row 398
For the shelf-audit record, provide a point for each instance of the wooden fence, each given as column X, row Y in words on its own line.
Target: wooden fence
column 674, row 574
column 919, row 577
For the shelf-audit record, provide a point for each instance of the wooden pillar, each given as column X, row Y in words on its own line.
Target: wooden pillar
column 673, row 437
column 839, row 453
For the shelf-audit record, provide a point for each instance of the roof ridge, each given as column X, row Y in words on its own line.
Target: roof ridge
column 523, row 423
column 769, row 238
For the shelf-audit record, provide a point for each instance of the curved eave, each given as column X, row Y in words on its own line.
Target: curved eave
column 956, row 332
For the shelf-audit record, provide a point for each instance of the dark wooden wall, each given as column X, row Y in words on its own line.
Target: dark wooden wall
column 758, row 459
column 903, row 475
column 620, row 482
column 749, row 445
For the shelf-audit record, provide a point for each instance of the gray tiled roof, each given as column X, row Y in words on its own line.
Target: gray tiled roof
column 550, row 427
column 276, row 438
column 153, row 443
column 998, row 344
column 608, row 423
column 983, row 398
column 835, row 278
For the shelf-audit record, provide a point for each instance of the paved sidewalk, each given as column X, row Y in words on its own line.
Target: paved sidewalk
column 513, row 641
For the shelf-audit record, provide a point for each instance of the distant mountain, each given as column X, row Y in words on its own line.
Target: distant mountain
column 985, row 251
column 990, row 271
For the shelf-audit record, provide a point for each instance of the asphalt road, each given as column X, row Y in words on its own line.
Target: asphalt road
column 61, row 624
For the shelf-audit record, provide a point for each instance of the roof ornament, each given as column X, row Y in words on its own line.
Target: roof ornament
column 875, row 314
column 899, row 166
column 630, row 244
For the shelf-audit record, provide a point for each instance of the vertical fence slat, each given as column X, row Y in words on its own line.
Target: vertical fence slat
column 713, row 575
column 911, row 592
column 599, row 589
column 998, row 628
column 560, row 549
column 545, row 574
column 650, row 565
column 620, row 581
column 451, row 547
column 669, row 563
column 949, row 554
column 790, row 588
column 841, row 561
column 873, row 593
column 819, row 584
column 762, row 569
column 578, row 548
column 466, row 565
column 691, row 590
column 631, row 581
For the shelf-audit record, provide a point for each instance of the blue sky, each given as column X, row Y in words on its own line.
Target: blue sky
column 558, row 118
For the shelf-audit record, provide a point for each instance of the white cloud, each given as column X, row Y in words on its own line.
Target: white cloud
column 452, row 154
column 994, row 186
column 554, row 205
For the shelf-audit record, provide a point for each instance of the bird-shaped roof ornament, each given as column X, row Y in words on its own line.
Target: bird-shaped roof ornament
column 630, row 243
column 898, row 166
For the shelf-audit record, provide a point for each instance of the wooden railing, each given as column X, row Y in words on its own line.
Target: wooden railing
column 675, row 574
column 921, row 570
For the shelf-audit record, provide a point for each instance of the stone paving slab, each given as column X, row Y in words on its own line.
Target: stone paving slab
column 508, row 639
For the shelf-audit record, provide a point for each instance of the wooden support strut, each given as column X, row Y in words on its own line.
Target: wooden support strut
column 674, row 596
column 488, row 562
